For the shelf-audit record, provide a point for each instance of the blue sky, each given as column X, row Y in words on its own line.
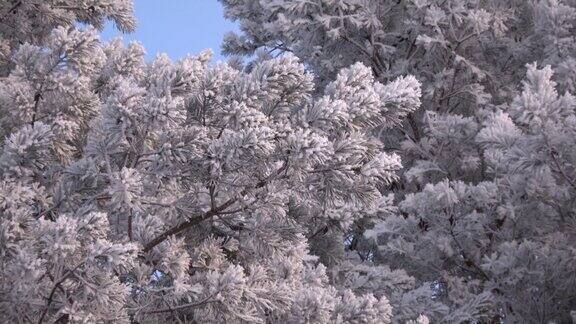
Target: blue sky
column 177, row 27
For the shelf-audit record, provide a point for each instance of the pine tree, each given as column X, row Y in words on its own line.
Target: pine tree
column 134, row 191
column 481, row 221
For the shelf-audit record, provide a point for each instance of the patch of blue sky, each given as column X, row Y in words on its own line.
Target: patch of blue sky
column 177, row 27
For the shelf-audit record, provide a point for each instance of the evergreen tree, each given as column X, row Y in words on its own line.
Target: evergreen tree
column 483, row 215
column 134, row 191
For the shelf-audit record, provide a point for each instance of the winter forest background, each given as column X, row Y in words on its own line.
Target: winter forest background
column 352, row 161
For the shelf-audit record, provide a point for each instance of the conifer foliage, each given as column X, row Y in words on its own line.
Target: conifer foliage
column 357, row 161
column 481, row 220
column 162, row 191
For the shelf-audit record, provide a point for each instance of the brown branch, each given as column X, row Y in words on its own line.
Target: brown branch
column 414, row 127
column 13, row 9
column 53, row 291
column 37, row 98
column 38, row 95
column 130, row 220
column 209, row 214
column 554, row 156
column 175, row 308
column 377, row 69
column 193, row 221
column 322, row 230
column 469, row 263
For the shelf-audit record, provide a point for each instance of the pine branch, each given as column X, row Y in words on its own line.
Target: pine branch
column 189, row 305
column 570, row 181
column 209, row 214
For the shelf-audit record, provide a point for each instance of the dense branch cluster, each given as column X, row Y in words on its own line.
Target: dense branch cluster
column 485, row 213
column 181, row 191
column 361, row 161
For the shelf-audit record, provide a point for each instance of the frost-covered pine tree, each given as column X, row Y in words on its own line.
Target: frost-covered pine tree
column 32, row 21
column 482, row 219
column 134, row 191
